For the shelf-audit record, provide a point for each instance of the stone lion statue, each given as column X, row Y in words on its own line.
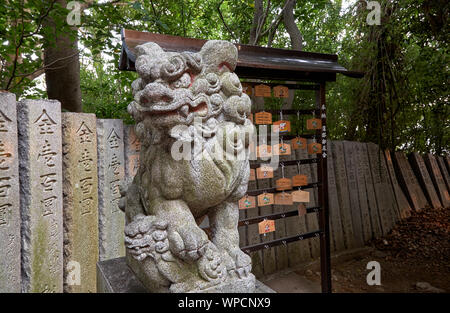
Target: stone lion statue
column 165, row 247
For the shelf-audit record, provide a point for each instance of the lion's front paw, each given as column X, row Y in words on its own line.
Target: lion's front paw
column 242, row 261
column 145, row 235
column 211, row 266
column 187, row 242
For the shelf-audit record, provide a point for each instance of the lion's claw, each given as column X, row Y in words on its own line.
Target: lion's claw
column 243, row 263
column 189, row 243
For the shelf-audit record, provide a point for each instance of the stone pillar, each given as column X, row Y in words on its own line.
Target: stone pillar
column 111, row 175
column 80, row 202
column 132, row 150
column 9, row 196
column 40, row 154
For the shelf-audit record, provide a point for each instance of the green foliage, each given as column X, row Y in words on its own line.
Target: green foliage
column 22, row 29
column 106, row 92
column 401, row 103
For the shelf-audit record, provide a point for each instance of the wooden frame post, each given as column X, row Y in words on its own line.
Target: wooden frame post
column 321, row 135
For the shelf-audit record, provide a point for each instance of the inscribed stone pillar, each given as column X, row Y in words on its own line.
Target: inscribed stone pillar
column 80, row 202
column 111, row 175
column 9, row 196
column 132, row 148
column 40, row 154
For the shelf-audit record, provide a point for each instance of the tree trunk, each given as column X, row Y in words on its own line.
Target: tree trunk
column 291, row 26
column 62, row 73
column 296, row 38
column 257, row 16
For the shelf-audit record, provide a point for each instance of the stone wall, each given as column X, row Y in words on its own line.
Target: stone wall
column 59, row 192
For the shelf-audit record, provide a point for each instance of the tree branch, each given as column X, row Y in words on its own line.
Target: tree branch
column 276, row 21
column 21, row 39
column 48, row 66
column 272, row 32
column 94, row 4
column 261, row 21
column 223, row 20
column 291, row 26
column 258, row 12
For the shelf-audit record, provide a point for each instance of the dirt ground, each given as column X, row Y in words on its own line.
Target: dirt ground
column 417, row 250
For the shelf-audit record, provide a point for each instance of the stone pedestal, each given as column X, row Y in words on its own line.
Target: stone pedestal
column 114, row 276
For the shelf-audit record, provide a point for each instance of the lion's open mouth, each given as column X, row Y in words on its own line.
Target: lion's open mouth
column 200, row 110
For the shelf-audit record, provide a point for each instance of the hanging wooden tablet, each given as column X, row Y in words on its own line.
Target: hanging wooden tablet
column 247, row 88
column 314, row 123
column 263, row 91
column 284, row 198
column 282, row 126
column 281, row 91
column 266, row 226
column 301, row 209
column 299, row 180
column 281, row 149
column 263, row 151
column 283, row 184
column 252, row 175
column 298, row 143
column 300, row 196
column 314, row 148
column 264, row 172
column 247, row 202
column 264, row 118
column 265, row 199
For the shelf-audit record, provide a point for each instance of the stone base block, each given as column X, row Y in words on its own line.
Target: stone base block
column 114, row 276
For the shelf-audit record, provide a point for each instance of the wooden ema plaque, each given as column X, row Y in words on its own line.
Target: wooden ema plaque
column 264, row 172
column 263, row 118
column 300, row 196
column 281, row 149
column 263, row 91
column 281, row 126
column 247, row 88
column 314, row 123
column 265, row 199
column 283, row 198
column 264, row 151
column 301, row 209
column 298, row 143
column 266, row 226
column 281, row 92
column 314, row 148
column 283, row 184
column 252, row 175
column 299, row 180
column 247, row 202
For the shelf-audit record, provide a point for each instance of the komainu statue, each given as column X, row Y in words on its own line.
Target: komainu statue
column 185, row 100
